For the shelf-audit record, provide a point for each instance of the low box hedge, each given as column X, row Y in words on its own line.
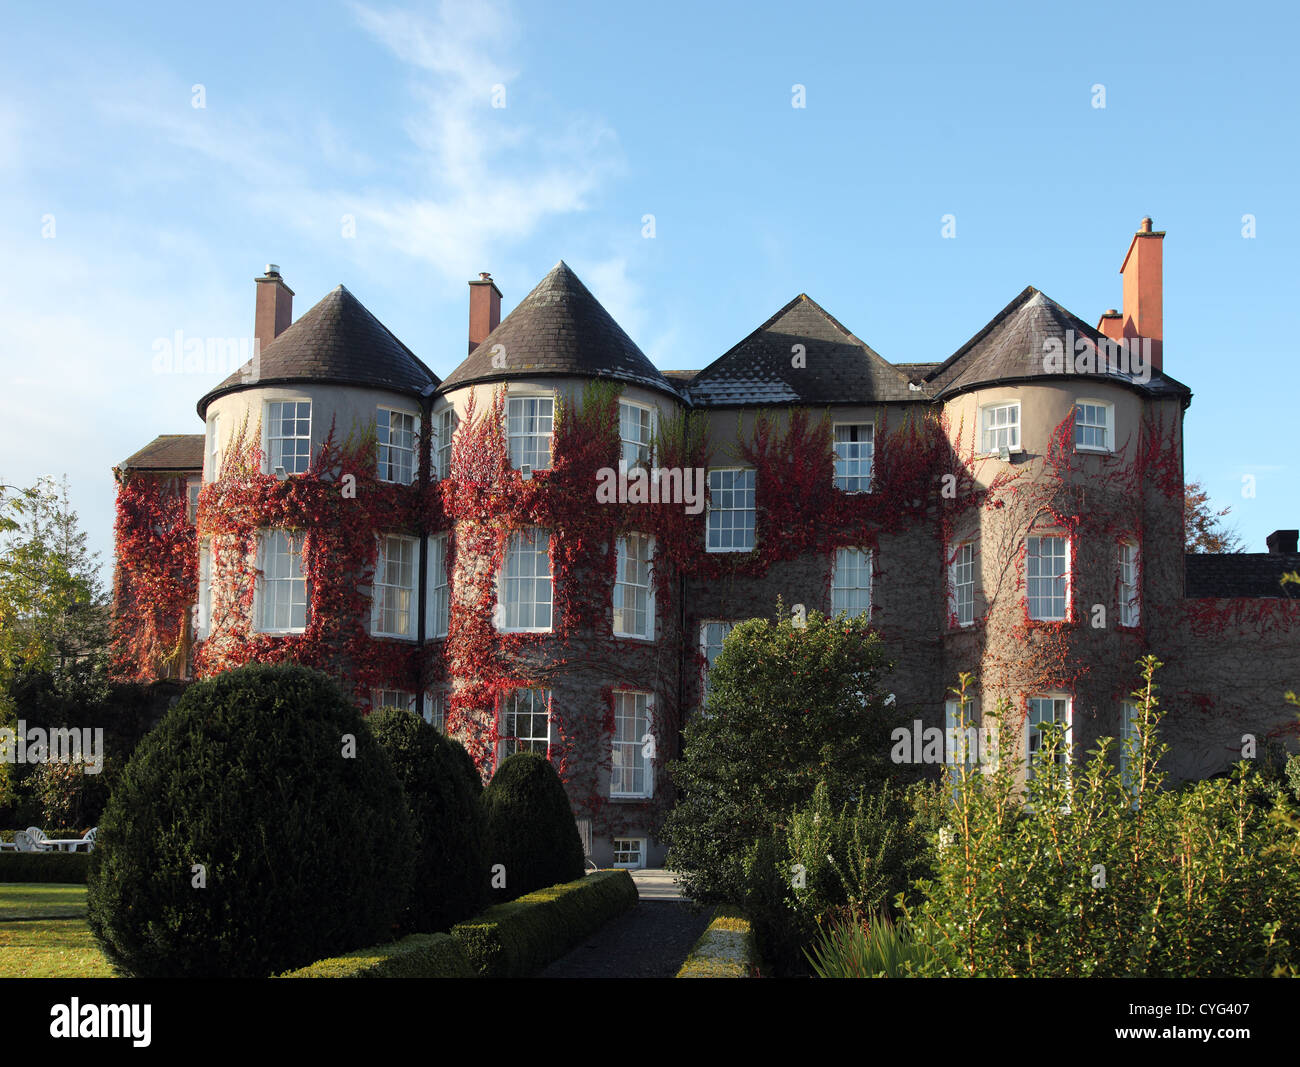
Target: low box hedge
column 416, row 956
column 68, row 868
column 724, row 950
column 519, row 938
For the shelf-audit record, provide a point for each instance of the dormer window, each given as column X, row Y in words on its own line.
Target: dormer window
column 1000, row 427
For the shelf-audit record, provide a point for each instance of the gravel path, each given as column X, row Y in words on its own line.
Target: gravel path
column 650, row 941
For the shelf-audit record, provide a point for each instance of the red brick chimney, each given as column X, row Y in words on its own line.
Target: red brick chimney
column 484, row 309
column 1111, row 324
column 274, row 306
column 1143, row 272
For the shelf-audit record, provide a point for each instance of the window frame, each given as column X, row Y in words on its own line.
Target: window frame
column 711, row 510
column 502, row 712
column 1033, row 736
column 625, row 865
column 408, row 703
column 704, row 652
column 433, row 699
column 518, row 395
column 955, row 586
column 260, row 586
column 1109, row 408
column 1130, row 607
column 413, row 590
column 1066, row 575
column 214, row 447
column 437, row 609
column 871, row 457
column 414, row 450
column 446, row 419
column 203, row 622
column 649, row 587
column 268, row 437
column 1127, row 728
column 868, row 568
column 503, row 585
column 648, row 444
column 995, row 405
column 646, row 763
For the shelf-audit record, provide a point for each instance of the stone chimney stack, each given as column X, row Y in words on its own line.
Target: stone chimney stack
column 1282, row 542
column 1143, row 272
column 274, row 306
column 484, row 309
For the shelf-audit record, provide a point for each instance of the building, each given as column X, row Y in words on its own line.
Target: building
column 455, row 546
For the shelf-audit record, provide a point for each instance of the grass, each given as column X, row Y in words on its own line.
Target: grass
column 35, row 900
column 43, row 933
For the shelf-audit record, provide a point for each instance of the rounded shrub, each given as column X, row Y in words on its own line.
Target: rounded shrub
column 442, row 795
column 260, row 827
column 530, row 825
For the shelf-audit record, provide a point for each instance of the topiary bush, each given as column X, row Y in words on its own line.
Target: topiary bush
column 258, row 828
column 443, row 797
column 531, row 830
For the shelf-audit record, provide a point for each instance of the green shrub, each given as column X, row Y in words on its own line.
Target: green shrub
column 415, row 956
column 531, row 830
column 788, row 707
column 831, row 864
column 266, row 778
column 726, row 949
column 851, row 947
column 65, row 867
column 517, row 939
column 450, row 879
column 1088, row 876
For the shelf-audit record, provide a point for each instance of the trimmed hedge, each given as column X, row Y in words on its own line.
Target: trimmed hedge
column 519, row 938
column 724, row 950
column 68, row 868
column 442, row 795
column 416, row 956
column 531, row 831
column 304, row 839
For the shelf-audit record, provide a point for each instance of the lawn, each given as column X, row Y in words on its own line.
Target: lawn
column 43, row 933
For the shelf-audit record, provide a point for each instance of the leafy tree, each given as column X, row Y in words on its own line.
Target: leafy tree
column 1203, row 527
column 788, row 707
column 53, row 612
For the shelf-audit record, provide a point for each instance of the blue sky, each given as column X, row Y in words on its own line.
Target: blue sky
column 163, row 212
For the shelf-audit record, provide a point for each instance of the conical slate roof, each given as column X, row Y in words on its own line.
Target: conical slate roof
column 337, row 341
column 559, row 329
column 1011, row 348
column 838, row 368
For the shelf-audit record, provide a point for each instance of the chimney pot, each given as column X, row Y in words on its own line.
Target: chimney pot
column 1282, row 542
column 1146, row 224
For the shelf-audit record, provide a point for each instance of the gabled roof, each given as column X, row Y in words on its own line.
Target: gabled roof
column 838, row 368
column 1010, row 348
column 558, row 330
column 337, row 341
column 1249, row 574
column 169, row 452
